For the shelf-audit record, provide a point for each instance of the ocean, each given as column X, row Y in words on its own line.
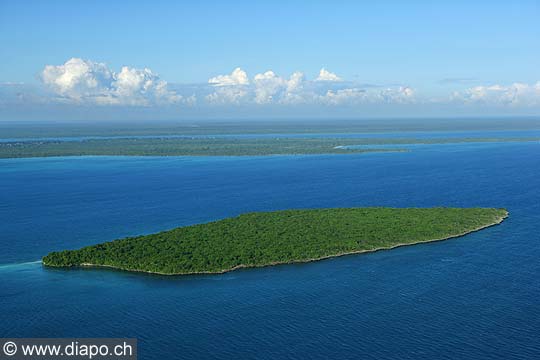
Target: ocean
column 474, row 297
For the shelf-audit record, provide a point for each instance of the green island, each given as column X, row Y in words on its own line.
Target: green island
column 185, row 146
column 279, row 237
column 220, row 146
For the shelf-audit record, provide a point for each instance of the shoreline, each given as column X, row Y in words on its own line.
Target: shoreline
column 351, row 152
column 243, row 266
column 357, row 147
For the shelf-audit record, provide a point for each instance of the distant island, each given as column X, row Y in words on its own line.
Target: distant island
column 279, row 237
column 221, row 146
column 183, row 146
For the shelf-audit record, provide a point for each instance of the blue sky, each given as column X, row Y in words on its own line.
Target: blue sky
column 379, row 58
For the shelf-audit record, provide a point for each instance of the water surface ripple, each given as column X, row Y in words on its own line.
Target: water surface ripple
column 475, row 297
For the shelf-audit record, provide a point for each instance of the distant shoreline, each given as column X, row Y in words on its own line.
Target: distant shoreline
column 229, row 146
column 350, row 152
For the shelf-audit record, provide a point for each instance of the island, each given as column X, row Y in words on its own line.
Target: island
column 271, row 238
column 222, row 146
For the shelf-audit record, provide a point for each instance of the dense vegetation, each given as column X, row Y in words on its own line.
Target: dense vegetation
column 178, row 146
column 259, row 239
column 213, row 146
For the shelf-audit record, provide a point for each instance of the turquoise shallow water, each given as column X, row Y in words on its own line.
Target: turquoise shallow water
column 476, row 297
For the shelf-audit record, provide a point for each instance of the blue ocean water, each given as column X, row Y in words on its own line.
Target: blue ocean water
column 475, row 297
column 530, row 133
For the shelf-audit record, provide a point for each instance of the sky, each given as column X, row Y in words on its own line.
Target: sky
column 70, row 60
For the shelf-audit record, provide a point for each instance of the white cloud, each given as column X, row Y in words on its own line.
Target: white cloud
column 237, row 77
column 325, row 75
column 344, row 96
column 78, row 79
column 270, row 87
column 135, row 87
column 351, row 96
column 229, row 89
column 227, row 95
column 516, row 94
column 296, row 81
column 295, row 91
column 400, row 95
column 267, row 85
column 264, row 88
column 85, row 81
column 326, row 89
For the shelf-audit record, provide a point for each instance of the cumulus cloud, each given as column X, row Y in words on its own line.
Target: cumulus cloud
column 295, row 91
column 229, row 89
column 325, row 75
column 237, row 77
column 264, row 88
column 344, row 96
column 516, row 94
column 78, row 78
column 351, row 96
column 80, row 81
column 85, row 81
column 267, row 85
column 401, row 95
column 271, row 88
column 228, row 95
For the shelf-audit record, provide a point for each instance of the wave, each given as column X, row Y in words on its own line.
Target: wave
column 18, row 265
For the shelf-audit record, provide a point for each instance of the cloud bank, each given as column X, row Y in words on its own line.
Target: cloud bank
column 516, row 94
column 85, row 81
column 326, row 89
